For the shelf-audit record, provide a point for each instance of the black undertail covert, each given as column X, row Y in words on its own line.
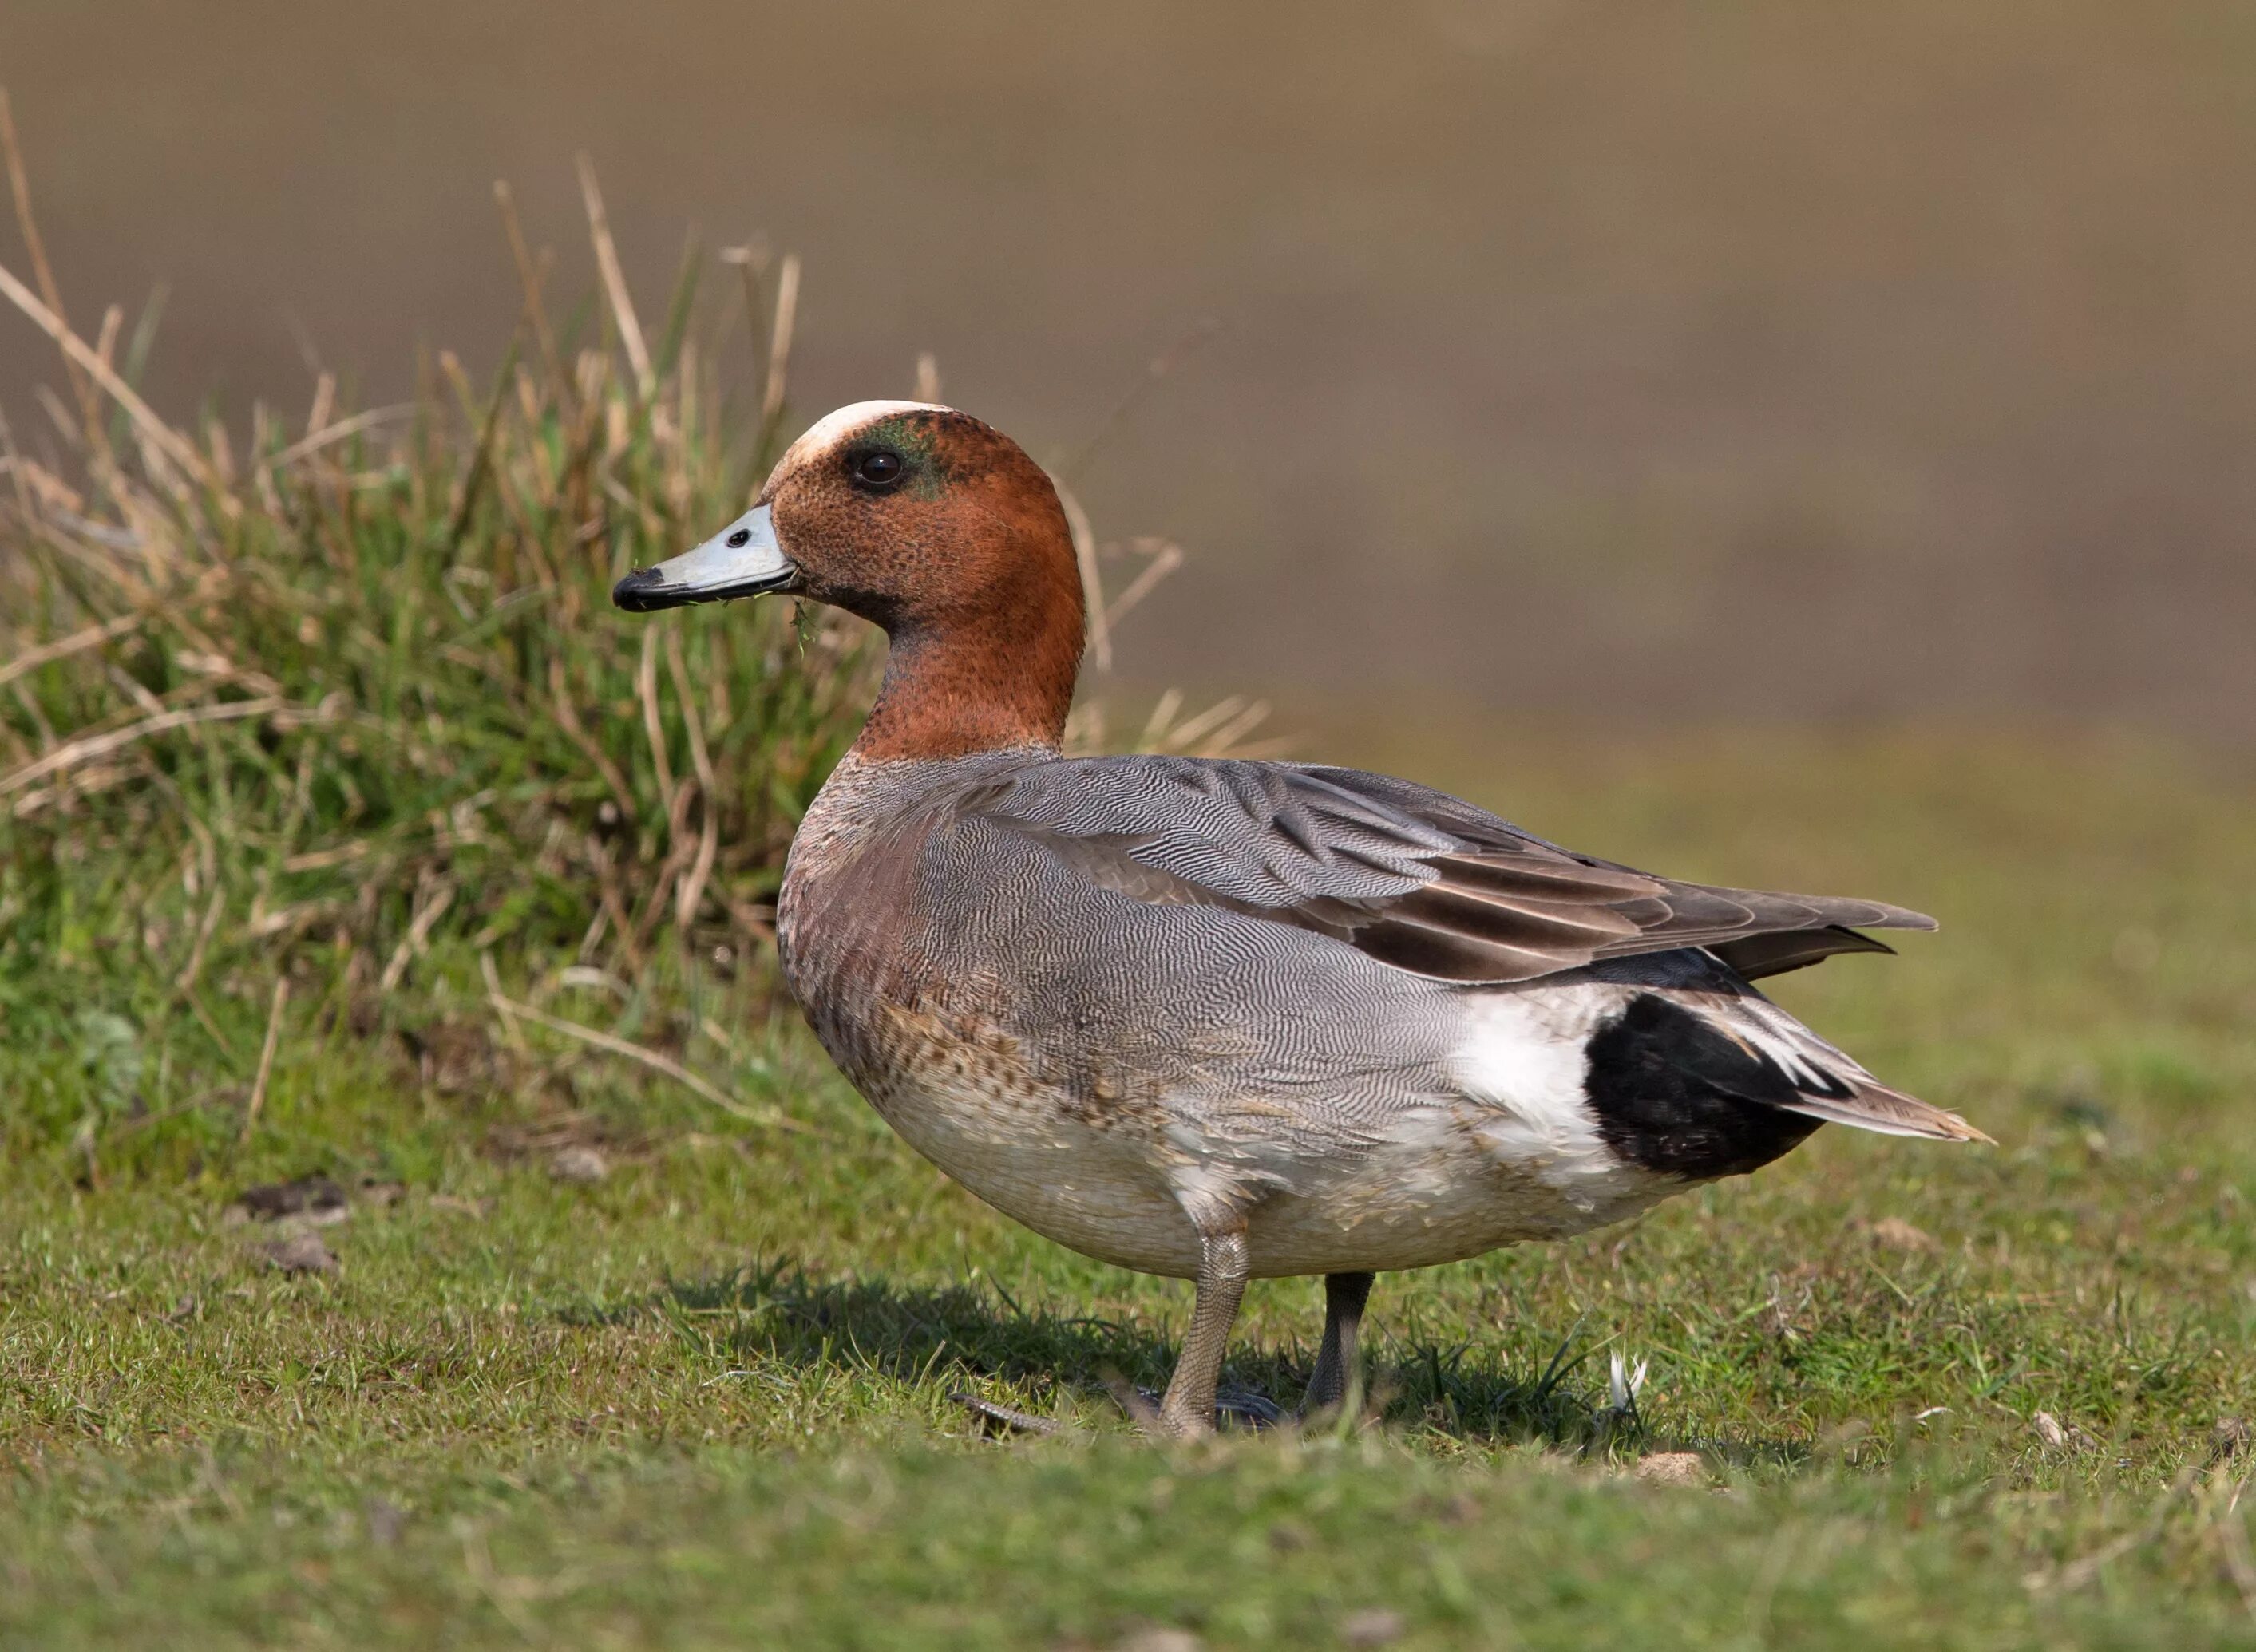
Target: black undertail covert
column 1674, row 1094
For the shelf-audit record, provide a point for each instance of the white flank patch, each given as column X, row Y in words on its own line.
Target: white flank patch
column 1522, row 1054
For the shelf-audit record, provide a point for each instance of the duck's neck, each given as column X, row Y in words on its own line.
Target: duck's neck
column 993, row 682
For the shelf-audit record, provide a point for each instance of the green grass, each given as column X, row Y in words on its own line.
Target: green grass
column 707, row 1393
column 364, row 929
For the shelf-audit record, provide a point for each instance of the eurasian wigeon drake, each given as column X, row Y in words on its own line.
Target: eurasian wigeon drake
column 1218, row 1019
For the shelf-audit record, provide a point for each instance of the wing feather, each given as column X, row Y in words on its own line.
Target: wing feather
column 1415, row 878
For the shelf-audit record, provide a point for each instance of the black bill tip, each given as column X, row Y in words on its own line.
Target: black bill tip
column 646, row 590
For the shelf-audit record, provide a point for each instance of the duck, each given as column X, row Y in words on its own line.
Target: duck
column 1218, row 1019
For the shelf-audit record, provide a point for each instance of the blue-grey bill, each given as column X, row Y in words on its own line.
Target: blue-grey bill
column 742, row 560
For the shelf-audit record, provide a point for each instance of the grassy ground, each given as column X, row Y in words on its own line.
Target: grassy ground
column 707, row 1391
column 346, row 833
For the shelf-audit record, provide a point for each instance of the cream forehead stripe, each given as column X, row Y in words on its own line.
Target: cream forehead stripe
column 833, row 427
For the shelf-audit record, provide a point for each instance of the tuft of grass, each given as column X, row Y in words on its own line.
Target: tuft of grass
column 310, row 710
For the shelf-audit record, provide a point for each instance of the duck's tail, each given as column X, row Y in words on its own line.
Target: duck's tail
column 1825, row 1083
column 1870, row 1105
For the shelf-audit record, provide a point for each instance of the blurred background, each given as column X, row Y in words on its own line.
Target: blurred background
column 1768, row 361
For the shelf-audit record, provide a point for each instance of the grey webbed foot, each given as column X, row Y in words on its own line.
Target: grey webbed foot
column 1243, row 1408
column 1003, row 1419
column 1233, row 1408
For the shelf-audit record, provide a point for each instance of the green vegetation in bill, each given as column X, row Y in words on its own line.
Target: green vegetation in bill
column 421, row 1224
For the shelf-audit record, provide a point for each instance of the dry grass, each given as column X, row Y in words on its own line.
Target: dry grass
column 310, row 695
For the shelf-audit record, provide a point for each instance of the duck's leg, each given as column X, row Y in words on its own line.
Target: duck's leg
column 1187, row 1408
column 1337, row 1369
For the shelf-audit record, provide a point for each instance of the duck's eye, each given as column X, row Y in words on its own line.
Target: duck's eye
column 740, row 539
column 880, row 469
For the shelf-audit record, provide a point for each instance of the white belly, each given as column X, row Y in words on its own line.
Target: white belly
column 1442, row 1184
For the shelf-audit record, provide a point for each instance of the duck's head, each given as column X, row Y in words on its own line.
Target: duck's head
column 935, row 526
column 898, row 512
